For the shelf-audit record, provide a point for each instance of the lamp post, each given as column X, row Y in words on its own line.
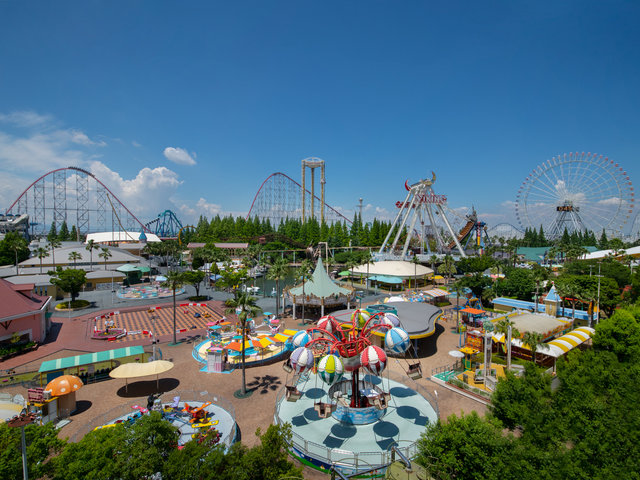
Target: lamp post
column 21, row 421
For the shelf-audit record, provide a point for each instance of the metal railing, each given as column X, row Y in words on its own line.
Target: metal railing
column 356, row 461
column 188, row 396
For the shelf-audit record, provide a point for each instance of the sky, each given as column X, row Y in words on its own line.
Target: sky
column 190, row 106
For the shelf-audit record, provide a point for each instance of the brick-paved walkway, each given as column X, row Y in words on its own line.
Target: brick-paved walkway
column 251, row 413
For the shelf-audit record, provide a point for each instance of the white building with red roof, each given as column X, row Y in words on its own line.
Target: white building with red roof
column 22, row 311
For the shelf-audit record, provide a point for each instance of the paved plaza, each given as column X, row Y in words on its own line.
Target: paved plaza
column 72, row 336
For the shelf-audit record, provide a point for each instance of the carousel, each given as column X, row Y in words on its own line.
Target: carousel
column 347, row 409
column 320, row 292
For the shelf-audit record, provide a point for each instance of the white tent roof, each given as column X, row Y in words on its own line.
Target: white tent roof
column 634, row 251
column 394, row 268
column 105, row 237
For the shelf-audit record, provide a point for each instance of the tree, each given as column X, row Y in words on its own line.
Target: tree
column 42, row 443
column 53, row 244
column 303, row 274
column 447, row 268
column 127, row 452
column 433, row 259
column 69, row 280
column 63, row 235
column 244, row 306
column 17, row 244
column 534, row 340
column 53, row 233
column 91, row 246
column 277, row 272
column 41, row 253
column 620, row 334
column 539, row 275
column 195, row 278
column 106, row 254
column 519, row 283
column 174, row 281
column 505, row 326
column 351, row 264
column 75, row 256
column 73, row 235
column 603, row 244
column 367, row 259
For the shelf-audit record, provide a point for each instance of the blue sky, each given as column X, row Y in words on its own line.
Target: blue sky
column 191, row 105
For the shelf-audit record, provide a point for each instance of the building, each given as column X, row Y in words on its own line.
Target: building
column 23, row 312
column 14, row 223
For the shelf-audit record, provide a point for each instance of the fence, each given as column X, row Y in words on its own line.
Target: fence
column 358, row 461
column 187, row 396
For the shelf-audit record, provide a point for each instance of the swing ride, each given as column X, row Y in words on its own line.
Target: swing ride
column 342, row 399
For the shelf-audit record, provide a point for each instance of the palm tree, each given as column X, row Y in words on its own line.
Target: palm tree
column 433, row 259
column 174, row 281
column 91, row 246
column 53, row 244
column 277, row 272
column 75, row 256
column 17, row 244
column 367, row 259
column 589, row 295
column 106, row 254
column 562, row 291
column 351, row 264
column 243, row 305
column 448, row 262
column 303, row 273
column 41, row 253
column 505, row 326
column 534, row 340
column 458, row 290
column 539, row 275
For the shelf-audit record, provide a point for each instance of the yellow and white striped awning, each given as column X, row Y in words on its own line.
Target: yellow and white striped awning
column 557, row 347
column 563, row 344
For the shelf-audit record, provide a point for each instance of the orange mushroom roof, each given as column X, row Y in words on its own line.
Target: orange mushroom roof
column 64, row 385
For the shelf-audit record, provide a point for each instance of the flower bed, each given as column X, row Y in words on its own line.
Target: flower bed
column 14, row 351
column 112, row 334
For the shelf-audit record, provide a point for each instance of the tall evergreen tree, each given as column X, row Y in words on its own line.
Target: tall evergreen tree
column 63, row 234
column 603, row 244
column 53, row 232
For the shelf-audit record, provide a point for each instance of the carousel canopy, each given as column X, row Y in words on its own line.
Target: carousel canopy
column 321, row 286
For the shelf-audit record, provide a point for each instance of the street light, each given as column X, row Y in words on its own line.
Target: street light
column 21, row 421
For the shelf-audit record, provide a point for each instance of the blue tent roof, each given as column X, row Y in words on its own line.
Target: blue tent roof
column 142, row 235
column 386, row 279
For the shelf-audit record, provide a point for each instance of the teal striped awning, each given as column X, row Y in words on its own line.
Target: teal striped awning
column 89, row 358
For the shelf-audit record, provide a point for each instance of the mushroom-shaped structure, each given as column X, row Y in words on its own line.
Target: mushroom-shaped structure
column 397, row 340
column 329, row 323
column 330, row 369
column 64, row 385
column 373, row 360
column 302, row 360
column 300, row 339
column 65, row 388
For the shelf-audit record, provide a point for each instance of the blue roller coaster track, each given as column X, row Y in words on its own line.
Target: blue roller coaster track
column 167, row 225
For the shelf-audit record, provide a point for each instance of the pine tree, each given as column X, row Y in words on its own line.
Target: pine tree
column 603, row 244
column 63, row 235
column 53, row 232
column 73, row 236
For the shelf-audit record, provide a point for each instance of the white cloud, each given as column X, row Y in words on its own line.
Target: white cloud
column 367, row 208
column 136, row 144
column 146, row 194
column 82, row 139
column 26, row 119
column 180, row 156
column 208, row 209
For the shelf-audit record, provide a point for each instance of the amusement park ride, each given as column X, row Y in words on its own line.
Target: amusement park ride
column 425, row 215
column 360, row 407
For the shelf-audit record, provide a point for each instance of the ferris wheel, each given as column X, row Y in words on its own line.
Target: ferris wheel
column 576, row 192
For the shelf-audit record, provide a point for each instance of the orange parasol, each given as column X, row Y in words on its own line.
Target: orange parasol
column 64, row 385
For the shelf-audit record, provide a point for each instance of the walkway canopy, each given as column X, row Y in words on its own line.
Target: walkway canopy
column 135, row 370
column 563, row 344
column 89, row 358
column 386, row 279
